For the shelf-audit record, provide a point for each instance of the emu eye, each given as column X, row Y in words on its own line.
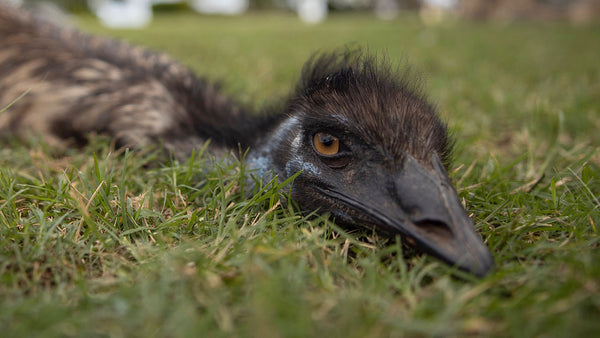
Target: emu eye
column 326, row 144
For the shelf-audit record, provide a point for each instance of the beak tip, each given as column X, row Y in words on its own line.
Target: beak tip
column 482, row 266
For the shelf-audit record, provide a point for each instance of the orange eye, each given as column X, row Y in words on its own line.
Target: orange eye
column 326, row 144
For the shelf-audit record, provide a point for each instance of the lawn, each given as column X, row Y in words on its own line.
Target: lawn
column 93, row 242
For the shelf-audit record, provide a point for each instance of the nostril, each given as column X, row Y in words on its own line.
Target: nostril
column 435, row 228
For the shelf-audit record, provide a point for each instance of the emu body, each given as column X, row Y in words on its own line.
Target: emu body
column 369, row 148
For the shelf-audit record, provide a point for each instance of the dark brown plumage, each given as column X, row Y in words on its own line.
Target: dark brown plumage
column 371, row 151
column 77, row 83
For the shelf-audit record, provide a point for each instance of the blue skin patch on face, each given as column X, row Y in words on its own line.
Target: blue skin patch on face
column 261, row 166
column 300, row 164
column 260, row 159
column 289, row 132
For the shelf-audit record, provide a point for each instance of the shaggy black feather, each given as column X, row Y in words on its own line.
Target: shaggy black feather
column 385, row 106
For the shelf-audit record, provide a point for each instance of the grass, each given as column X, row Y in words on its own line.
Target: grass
column 95, row 243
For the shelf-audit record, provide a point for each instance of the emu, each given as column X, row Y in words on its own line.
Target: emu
column 368, row 147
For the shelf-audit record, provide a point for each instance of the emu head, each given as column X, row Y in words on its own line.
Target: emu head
column 373, row 153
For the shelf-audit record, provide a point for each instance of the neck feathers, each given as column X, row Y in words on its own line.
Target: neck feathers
column 79, row 84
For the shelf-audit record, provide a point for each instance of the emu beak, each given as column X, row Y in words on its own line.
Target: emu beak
column 436, row 220
column 421, row 204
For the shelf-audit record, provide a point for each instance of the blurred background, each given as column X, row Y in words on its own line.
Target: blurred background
column 138, row 13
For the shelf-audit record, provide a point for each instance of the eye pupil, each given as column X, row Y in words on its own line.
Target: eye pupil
column 326, row 140
column 326, row 144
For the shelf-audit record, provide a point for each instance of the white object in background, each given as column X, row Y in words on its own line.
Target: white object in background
column 312, row 11
column 386, row 9
column 441, row 4
column 225, row 7
column 122, row 14
column 138, row 13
